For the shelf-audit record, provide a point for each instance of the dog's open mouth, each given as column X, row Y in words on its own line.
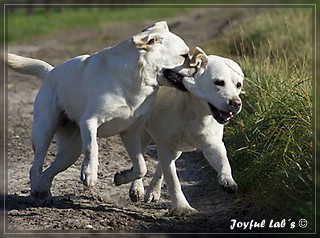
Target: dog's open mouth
column 175, row 79
column 221, row 116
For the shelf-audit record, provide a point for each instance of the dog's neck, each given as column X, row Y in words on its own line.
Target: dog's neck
column 131, row 60
column 147, row 72
column 124, row 55
column 198, row 105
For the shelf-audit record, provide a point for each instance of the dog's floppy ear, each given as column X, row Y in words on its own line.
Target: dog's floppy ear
column 144, row 41
column 199, row 59
column 157, row 25
column 198, row 64
column 146, row 38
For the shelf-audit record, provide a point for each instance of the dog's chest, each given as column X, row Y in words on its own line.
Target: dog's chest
column 115, row 126
column 129, row 114
column 197, row 132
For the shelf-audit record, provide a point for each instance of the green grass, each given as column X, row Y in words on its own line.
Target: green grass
column 21, row 26
column 270, row 142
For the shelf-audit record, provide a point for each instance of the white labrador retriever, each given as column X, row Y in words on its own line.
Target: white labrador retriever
column 182, row 122
column 109, row 92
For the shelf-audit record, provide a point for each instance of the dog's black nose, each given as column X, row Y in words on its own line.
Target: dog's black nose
column 236, row 103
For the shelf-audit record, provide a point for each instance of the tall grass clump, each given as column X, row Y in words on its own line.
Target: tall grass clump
column 270, row 141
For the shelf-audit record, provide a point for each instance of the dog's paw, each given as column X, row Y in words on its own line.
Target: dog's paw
column 89, row 175
column 40, row 190
column 43, row 197
column 228, row 184
column 152, row 196
column 88, row 179
column 136, row 192
column 136, row 195
column 183, row 211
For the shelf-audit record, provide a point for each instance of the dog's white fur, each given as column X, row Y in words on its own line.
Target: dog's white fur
column 181, row 122
column 109, row 92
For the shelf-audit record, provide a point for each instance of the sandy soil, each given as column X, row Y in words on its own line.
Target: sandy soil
column 107, row 208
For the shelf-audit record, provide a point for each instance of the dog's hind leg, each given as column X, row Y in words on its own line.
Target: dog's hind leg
column 40, row 145
column 46, row 117
column 132, row 142
column 167, row 161
column 154, row 189
column 69, row 146
column 136, row 192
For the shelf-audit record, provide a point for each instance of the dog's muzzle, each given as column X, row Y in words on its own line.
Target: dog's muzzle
column 220, row 116
column 175, row 79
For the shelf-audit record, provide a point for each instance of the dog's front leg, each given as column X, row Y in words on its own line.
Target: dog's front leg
column 132, row 142
column 216, row 155
column 89, row 169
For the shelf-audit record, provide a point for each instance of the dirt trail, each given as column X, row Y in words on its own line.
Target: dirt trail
column 106, row 207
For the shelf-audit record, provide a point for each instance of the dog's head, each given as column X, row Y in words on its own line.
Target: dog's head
column 215, row 79
column 161, row 49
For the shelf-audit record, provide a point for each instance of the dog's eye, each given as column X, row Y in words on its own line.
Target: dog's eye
column 239, row 85
column 219, row 83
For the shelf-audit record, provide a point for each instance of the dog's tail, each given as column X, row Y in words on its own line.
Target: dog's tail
column 34, row 67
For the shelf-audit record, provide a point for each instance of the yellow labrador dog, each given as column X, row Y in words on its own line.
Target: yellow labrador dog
column 109, row 92
column 184, row 121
